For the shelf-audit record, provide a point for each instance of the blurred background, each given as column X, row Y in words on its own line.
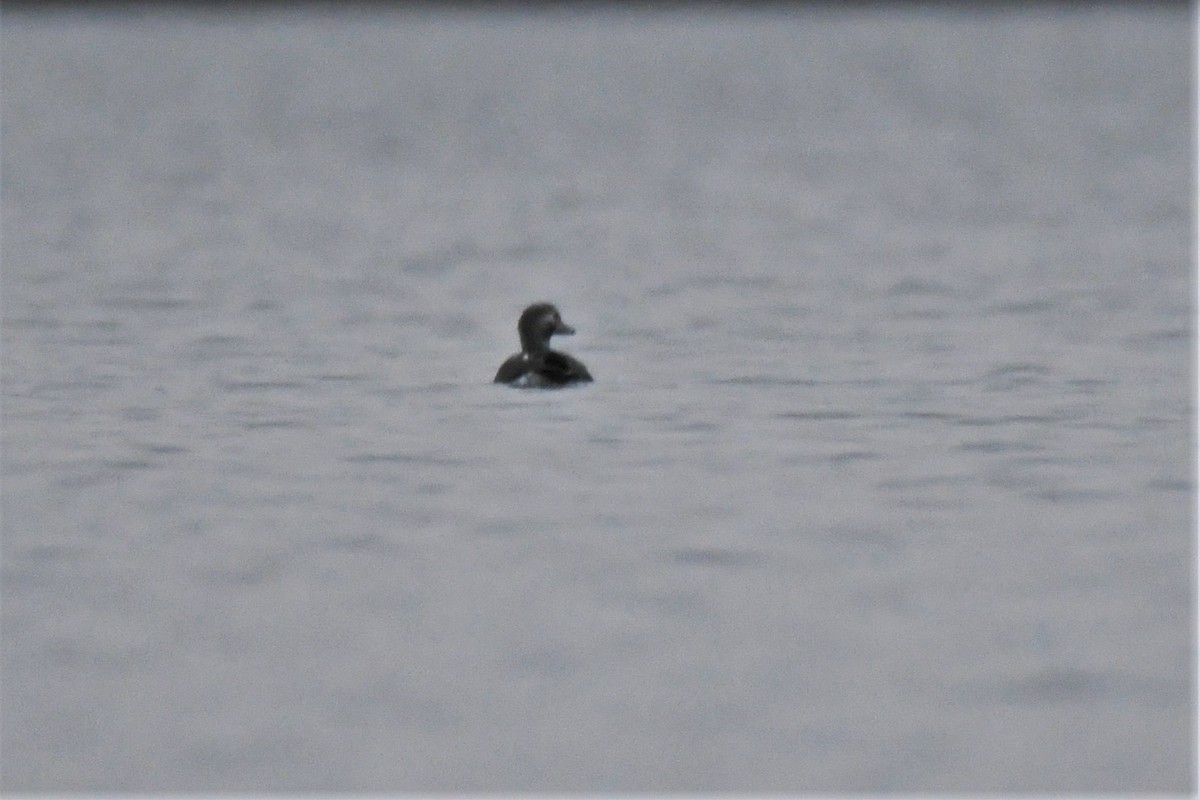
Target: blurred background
column 886, row 482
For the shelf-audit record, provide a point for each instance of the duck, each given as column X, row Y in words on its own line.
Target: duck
column 537, row 366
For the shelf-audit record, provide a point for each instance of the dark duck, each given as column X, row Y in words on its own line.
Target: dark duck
column 537, row 366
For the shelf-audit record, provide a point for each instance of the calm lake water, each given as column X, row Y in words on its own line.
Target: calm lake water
column 885, row 482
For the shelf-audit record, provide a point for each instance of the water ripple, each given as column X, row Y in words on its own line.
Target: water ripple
column 427, row 459
column 714, row 557
column 1058, row 686
column 818, row 416
column 258, row 386
column 761, row 380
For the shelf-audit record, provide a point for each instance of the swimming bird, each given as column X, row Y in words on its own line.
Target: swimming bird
column 537, row 366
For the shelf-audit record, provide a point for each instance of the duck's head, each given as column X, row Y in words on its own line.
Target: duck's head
column 537, row 324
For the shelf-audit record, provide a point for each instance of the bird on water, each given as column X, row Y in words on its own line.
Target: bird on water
column 537, row 366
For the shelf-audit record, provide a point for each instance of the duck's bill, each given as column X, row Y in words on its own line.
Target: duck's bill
column 564, row 329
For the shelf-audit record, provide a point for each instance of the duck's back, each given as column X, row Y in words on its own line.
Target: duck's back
column 512, row 369
column 550, row 369
column 560, row 368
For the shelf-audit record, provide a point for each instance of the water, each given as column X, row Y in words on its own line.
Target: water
column 885, row 483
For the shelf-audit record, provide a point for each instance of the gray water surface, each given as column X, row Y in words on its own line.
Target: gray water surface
column 885, row 483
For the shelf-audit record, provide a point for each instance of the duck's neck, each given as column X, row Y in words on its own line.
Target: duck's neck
column 535, row 347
